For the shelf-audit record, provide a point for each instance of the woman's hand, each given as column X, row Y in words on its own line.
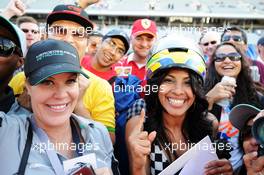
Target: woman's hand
column 221, row 167
column 139, row 146
column 220, row 91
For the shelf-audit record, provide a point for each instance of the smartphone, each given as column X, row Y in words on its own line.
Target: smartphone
column 254, row 71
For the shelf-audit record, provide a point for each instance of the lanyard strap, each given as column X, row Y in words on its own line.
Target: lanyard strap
column 52, row 155
column 76, row 137
column 24, row 159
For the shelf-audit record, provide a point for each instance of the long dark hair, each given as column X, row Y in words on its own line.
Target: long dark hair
column 195, row 125
column 245, row 91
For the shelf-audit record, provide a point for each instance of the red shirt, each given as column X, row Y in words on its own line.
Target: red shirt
column 86, row 63
column 128, row 66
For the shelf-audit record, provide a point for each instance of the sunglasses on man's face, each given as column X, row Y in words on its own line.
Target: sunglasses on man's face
column 32, row 31
column 8, row 47
column 235, row 38
column 207, row 43
column 234, row 56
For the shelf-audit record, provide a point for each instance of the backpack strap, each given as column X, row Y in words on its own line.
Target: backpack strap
column 24, row 159
column 114, row 166
column 112, row 80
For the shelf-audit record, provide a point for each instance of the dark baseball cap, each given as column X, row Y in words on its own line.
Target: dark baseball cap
column 50, row 57
column 120, row 34
column 261, row 41
column 241, row 113
column 71, row 13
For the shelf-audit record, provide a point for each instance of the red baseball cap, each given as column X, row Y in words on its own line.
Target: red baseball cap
column 144, row 26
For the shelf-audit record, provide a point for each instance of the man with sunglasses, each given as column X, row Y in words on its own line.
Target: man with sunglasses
column 30, row 27
column 12, row 51
column 238, row 37
column 208, row 42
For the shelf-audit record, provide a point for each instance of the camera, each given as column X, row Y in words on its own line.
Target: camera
column 258, row 134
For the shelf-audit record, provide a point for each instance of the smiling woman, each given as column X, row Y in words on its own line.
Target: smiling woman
column 52, row 72
column 175, row 113
column 229, row 61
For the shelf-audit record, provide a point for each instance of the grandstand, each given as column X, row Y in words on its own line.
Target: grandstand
column 190, row 16
column 231, row 9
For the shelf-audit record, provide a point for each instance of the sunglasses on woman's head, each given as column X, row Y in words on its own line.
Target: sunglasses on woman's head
column 235, row 38
column 234, row 56
column 8, row 47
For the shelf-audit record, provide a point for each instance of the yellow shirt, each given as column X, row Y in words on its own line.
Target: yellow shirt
column 98, row 98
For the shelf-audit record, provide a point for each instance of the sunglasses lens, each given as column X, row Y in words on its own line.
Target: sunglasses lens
column 25, row 30
column 237, row 38
column 205, row 44
column 220, row 57
column 232, row 56
column 226, row 38
column 213, row 42
column 32, row 31
column 7, row 47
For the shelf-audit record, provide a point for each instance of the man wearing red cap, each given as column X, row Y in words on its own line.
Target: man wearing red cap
column 143, row 36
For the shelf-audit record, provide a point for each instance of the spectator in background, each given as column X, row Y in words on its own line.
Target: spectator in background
column 12, row 51
column 30, row 27
column 94, row 40
column 114, row 46
column 260, row 47
column 238, row 37
column 143, row 36
column 208, row 42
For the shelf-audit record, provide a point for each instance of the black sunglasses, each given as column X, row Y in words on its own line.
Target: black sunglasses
column 234, row 56
column 8, row 47
column 235, row 38
column 32, row 31
column 207, row 43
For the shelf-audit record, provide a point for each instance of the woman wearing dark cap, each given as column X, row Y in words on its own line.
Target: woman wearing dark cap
column 32, row 144
column 243, row 117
